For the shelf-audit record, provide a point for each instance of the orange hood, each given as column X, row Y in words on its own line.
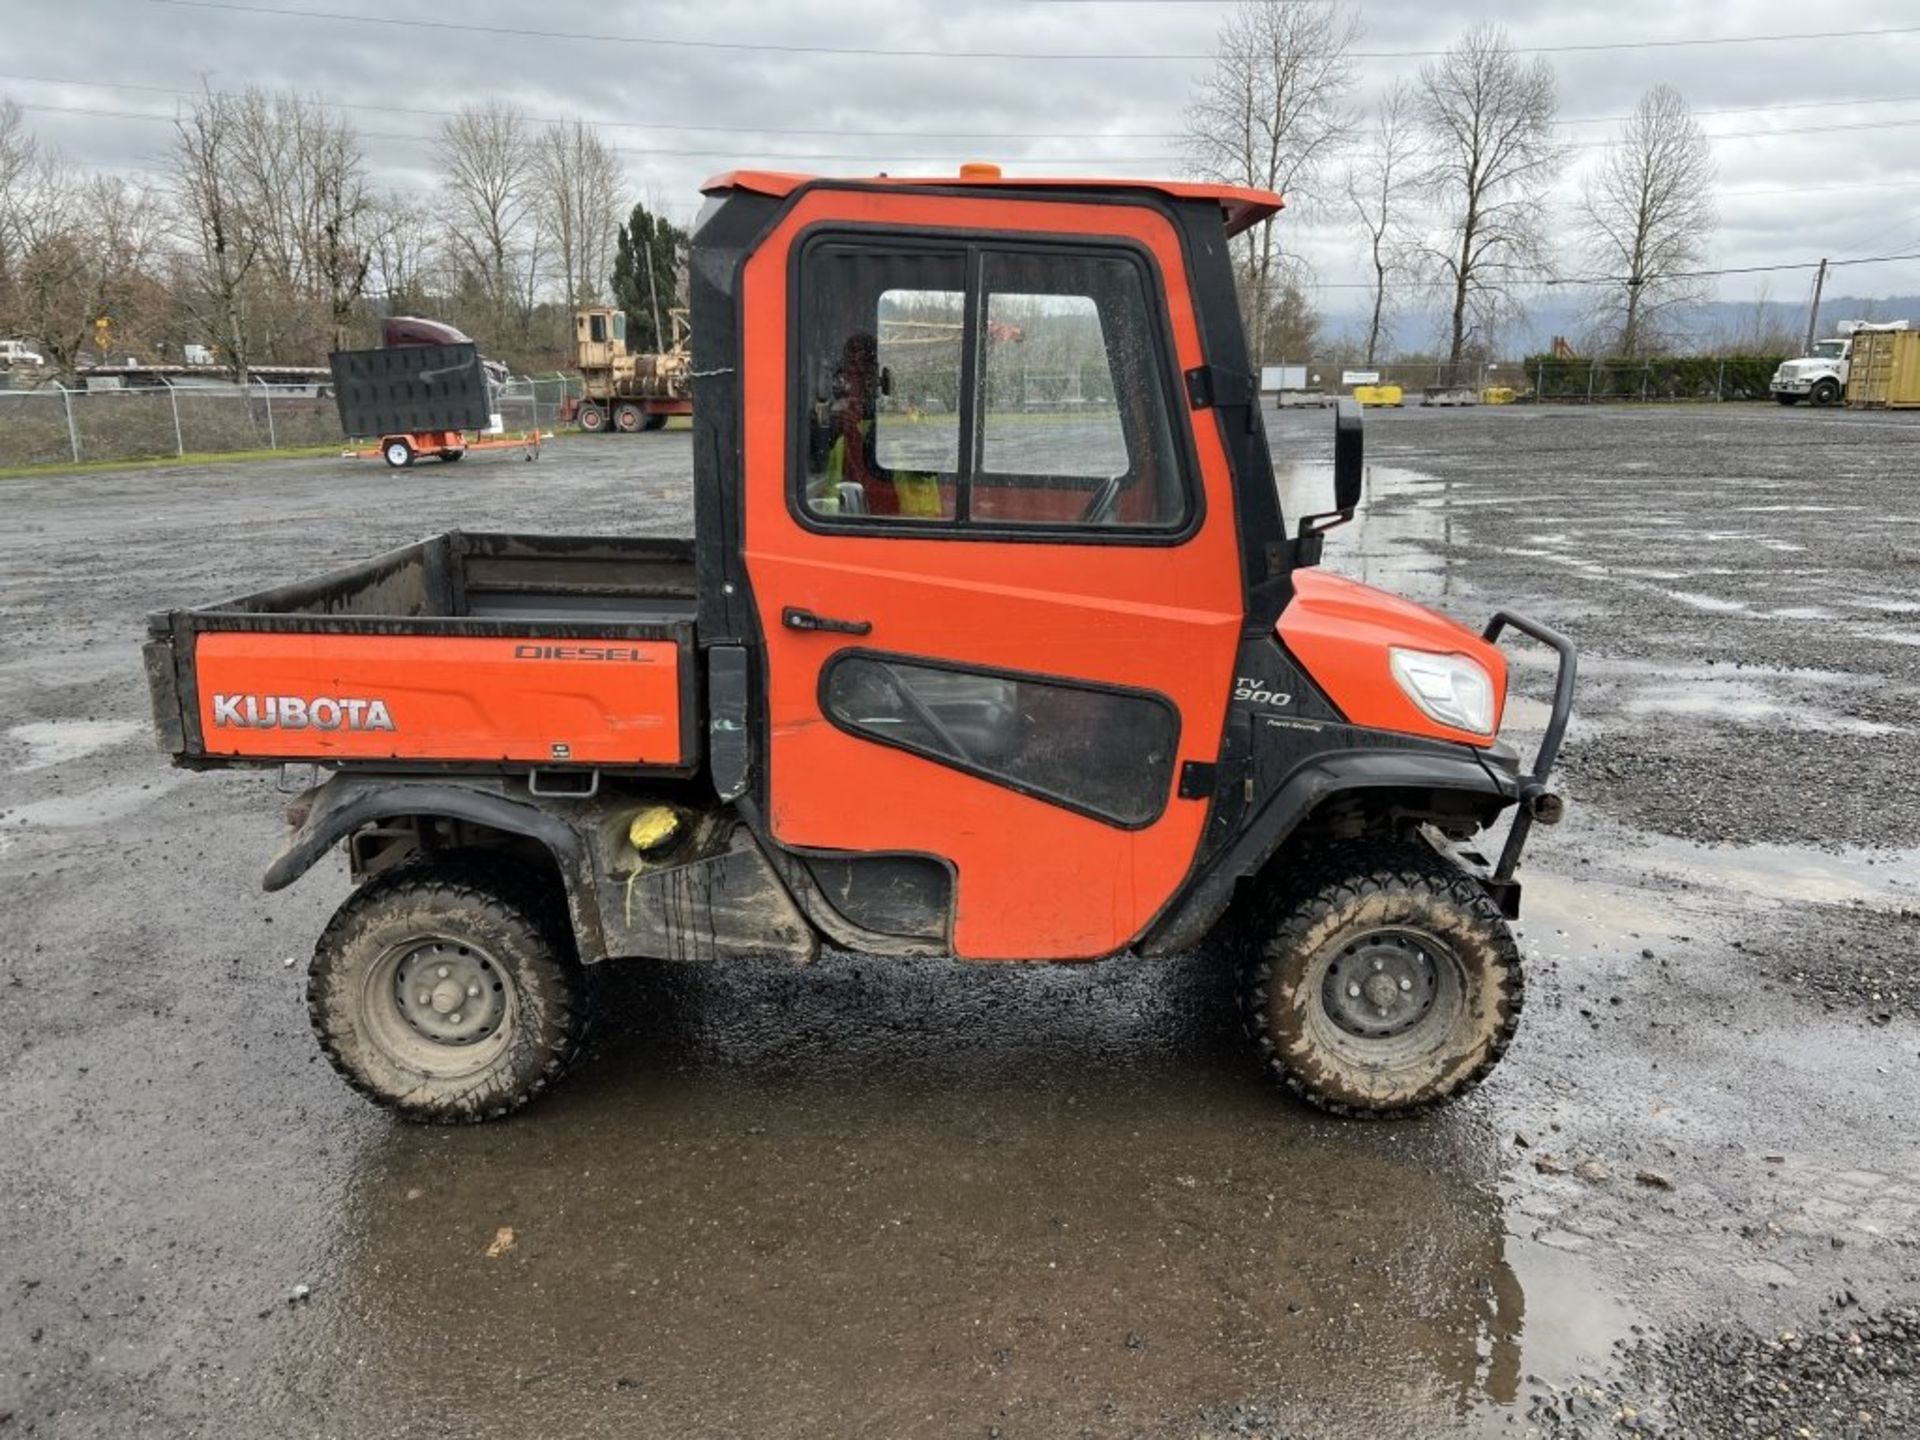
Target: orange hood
column 1341, row 630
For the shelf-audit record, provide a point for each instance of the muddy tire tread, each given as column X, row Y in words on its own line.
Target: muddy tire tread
column 1337, row 877
column 484, row 881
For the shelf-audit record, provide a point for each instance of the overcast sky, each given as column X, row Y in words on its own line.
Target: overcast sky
column 1818, row 155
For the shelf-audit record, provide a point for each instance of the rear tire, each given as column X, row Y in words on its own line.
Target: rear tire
column 1380, row 981
column 656, row 422
column 449, row 991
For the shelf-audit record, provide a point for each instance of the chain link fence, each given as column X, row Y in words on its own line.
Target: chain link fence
column 57, row 425
column 1533, row 378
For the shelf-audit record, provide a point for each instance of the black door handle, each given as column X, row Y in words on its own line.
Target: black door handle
column 795, row 618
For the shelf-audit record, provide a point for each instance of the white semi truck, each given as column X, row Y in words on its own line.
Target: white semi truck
column 1821, row 378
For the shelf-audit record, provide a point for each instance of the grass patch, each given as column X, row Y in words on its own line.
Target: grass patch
column 155, row 462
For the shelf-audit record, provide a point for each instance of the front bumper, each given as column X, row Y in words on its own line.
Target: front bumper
column 1536, row 801
column 1791, row 385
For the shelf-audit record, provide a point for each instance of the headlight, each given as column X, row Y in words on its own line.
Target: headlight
column 1449, row 688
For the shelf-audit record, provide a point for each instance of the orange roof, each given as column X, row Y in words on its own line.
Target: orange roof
column 1244, row 206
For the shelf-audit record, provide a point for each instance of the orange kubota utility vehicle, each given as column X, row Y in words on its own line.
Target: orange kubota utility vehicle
column 991, row 641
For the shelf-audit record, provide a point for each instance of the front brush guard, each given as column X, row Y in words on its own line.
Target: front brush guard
column 1536, row 801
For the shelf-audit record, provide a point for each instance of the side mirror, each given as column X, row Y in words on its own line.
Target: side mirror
column 1349, row 476
column 1348, row 453
column 1348, row 479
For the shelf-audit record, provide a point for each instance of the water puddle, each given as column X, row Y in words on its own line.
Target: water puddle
column 1715, row 604
column 55, row 742
column 101, row 806
column 1388, row 543
column 1742, row 703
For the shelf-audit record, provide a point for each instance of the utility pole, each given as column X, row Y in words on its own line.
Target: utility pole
column 1813, row 315
column 653, row 290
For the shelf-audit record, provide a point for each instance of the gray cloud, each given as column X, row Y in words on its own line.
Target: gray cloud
column 1803, row 189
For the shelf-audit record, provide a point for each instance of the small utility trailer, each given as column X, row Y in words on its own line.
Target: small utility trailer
column 425, row 391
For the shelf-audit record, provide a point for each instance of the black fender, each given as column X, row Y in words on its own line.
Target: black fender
column 345, row 803
column 1206, row 896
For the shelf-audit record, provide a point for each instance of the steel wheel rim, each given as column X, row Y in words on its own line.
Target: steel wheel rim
column 439, row 1005
column 1417, row 979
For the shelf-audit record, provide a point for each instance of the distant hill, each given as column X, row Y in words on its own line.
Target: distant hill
column 1716, row 323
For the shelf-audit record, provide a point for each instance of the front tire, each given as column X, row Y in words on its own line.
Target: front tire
column 592, row 419
column 1827, row 392
column 449, row 992
column 398, row 453
column 1380, row 981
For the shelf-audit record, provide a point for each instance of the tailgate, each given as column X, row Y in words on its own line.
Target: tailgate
column 294, row 688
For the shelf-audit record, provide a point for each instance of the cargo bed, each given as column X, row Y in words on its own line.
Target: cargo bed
column 509, row 652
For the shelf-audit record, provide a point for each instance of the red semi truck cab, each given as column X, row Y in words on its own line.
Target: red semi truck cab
column 992, row 641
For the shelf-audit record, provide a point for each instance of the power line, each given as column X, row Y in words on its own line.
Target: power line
column 1730, row 109
column 386, row 109
column 1563, row 282
column 871, row 51
column 640, row 124
column 734, row 153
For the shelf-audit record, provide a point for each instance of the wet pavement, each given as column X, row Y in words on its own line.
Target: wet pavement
column 910, row 1197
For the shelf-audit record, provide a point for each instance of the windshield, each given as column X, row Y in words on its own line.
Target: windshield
column 1830, row 349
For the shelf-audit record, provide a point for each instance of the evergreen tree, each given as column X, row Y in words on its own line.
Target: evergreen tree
column 646, row 294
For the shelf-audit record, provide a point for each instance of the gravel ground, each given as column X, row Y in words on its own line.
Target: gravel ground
column 919, row 1198
column 1853, row 1376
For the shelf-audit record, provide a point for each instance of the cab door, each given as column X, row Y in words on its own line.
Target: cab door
column 992, row 555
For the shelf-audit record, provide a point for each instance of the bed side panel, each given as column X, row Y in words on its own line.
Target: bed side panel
column 581, row 700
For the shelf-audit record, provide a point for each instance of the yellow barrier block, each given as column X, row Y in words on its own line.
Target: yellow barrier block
column 1497, row 395
column 1377, row 394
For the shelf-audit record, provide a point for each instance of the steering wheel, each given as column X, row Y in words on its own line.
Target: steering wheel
column 1101, row 506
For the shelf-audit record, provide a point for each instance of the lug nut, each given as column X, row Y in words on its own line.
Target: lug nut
column 425, row 998
column 454, row 1018
column 1353, row 992
column 1379, row 965
column 1405, row 984
column 473, row 992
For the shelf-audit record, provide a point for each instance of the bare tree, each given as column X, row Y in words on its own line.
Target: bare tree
column 303, row 183
column 487, row 160
column 346, row 221
column 1489, row 120
column 1268, row 115
column 1380, row 187
column 1649, row 212
column 222, row 238
column 402, row 252
column 18, row 153
column 81, row 247
column 580, row 185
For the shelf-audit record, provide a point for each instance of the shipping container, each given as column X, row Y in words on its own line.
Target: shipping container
column 1885, row 370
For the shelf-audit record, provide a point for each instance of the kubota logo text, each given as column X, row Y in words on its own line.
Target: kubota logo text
column 297, row 712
